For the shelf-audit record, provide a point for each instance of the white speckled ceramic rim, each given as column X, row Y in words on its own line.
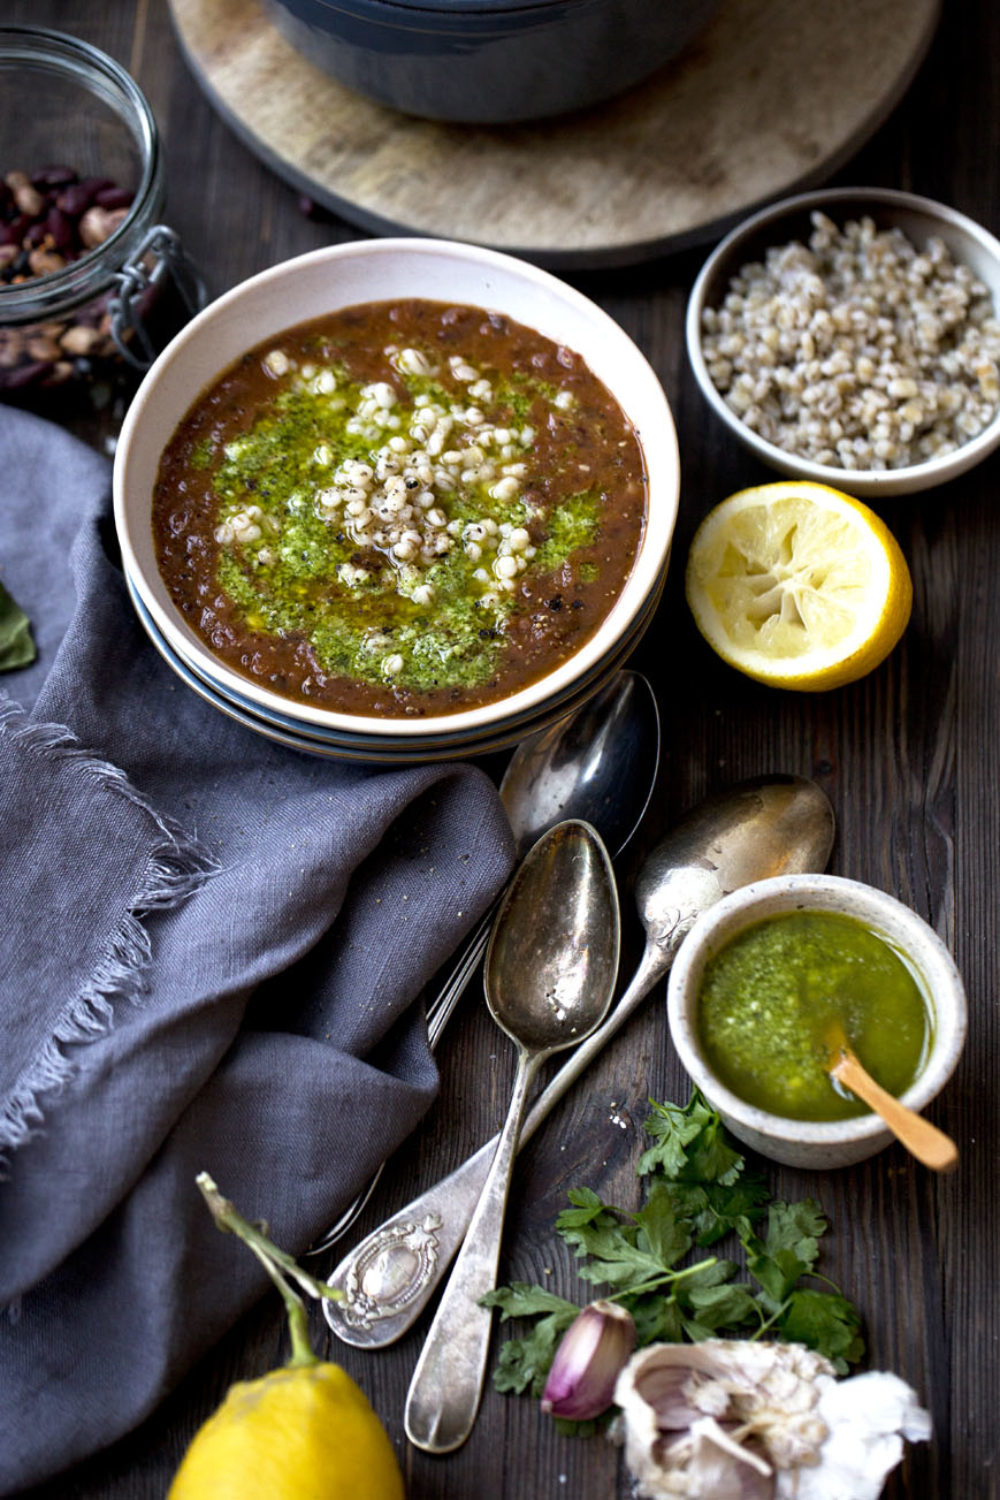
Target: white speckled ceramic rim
column 918, row 218
column 376, row 270
column 883, row 914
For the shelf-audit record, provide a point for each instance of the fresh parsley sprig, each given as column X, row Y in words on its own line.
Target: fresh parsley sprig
column 699, row 1191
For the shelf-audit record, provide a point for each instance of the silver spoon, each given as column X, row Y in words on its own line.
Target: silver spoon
column 551, row 968
column 779, row 825
column 599, row 765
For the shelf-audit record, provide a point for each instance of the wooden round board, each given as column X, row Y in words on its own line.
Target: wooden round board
column 773, row 96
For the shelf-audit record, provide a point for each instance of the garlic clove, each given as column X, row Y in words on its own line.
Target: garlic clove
column 660, row 1376
column 724, row 1469
column 595, row 1347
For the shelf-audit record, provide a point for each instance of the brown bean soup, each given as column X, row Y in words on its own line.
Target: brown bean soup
column 401, row 508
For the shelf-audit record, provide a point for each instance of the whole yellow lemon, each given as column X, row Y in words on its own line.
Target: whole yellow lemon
column 303, row 1432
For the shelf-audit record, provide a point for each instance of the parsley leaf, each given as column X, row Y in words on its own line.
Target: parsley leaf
column 519, row 1300
column 626, row 1250
column 524, row 1362
column 658, row 1320
column 587, row 1209
column 586, row 1212
column 17, row 649
column 673, row 1128
column 711, row 1308
column 691, row 1144
column 824, row 1321
column 615, row 1258
column 663, row 1232
column 789, row 1249
column 715, row 1211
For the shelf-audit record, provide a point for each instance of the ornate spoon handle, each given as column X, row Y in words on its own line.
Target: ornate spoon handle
column 447, row 1384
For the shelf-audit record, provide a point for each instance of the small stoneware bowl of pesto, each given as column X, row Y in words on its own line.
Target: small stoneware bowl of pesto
column 765, row 978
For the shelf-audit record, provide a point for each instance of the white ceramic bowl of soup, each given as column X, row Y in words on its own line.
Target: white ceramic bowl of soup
column 818, row 1144
column 371, row 271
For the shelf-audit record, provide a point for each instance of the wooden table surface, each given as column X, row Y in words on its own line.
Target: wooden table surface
column 906, row 756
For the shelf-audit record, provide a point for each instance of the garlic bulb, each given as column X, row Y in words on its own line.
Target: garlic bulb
column 737, row 1420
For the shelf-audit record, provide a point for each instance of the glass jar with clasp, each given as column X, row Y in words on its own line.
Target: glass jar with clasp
column 92, row 284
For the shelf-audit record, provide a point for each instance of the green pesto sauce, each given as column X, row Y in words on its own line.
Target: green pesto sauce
column 769, row 996
column 202, row 454
column 572, row 526
column 287, row 581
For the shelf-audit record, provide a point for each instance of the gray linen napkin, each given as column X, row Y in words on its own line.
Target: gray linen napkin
column 209, row 947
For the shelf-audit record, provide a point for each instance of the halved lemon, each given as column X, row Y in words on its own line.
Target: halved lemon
column 798, row 585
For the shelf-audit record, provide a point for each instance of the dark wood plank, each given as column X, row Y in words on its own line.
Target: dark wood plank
column 637, row 178
column 907, row 756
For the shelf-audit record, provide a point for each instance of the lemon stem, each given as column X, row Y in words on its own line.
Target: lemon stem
column 280, row 1267
column 298, row 1324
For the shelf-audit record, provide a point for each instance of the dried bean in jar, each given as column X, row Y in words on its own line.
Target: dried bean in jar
column 49, row 217
column 53, row 176
column 113, row 197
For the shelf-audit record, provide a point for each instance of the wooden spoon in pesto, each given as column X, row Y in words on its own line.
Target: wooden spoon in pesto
column 922, row 1139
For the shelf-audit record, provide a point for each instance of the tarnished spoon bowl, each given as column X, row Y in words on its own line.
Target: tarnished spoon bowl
column 551, row 968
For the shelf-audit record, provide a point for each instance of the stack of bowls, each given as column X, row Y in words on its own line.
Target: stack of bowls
column 344, row 276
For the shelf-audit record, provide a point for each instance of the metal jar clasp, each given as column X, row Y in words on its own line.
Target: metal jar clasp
column 157, row 290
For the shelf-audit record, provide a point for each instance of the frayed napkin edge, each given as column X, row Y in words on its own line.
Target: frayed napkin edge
column 177, row 867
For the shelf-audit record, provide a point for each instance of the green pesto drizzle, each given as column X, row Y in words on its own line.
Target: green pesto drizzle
column 288, row 581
